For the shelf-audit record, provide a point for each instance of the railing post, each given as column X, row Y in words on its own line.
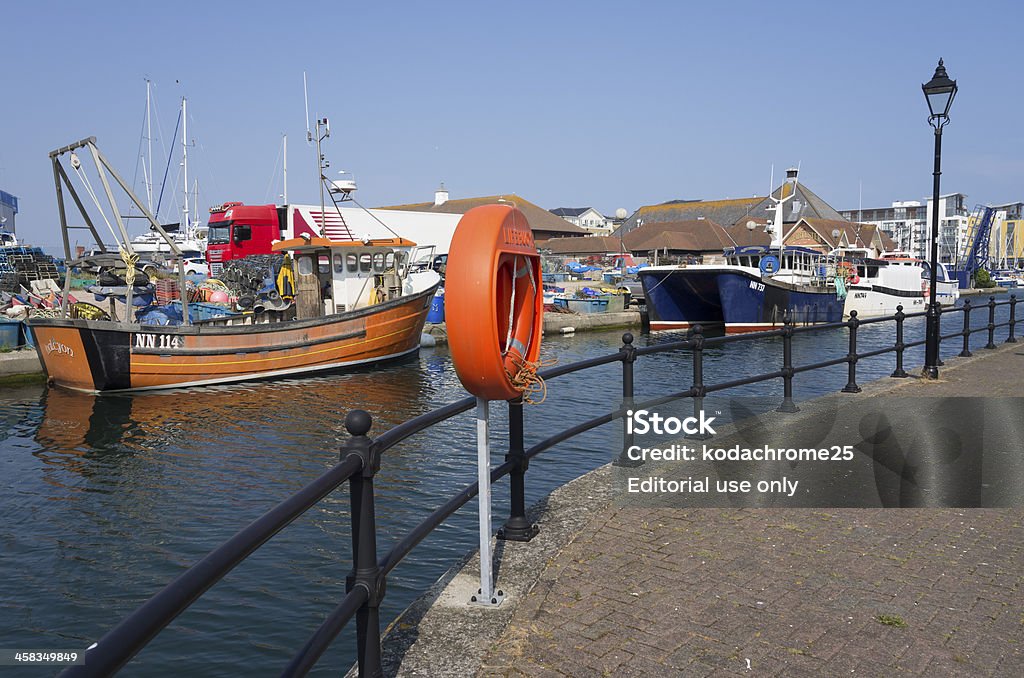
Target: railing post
column 787, row 365
column 1011, row 338
column 628, row 352
column 517, row 527
column 991, row 323
column 697, row 337
column 851, row 358
column 966, row 352
column 365, row 572
column 899, row 372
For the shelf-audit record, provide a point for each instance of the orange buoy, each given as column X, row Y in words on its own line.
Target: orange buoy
column 494, row 301
column 854, row 279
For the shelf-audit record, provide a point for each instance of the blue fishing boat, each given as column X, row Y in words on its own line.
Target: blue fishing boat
column 752, row 290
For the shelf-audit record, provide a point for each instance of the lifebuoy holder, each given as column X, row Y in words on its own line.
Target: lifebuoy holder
column 494, row 301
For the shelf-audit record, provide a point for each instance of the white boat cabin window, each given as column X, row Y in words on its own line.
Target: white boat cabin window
column 378, row 262
column 306, row 265
column 402, row 260
column 323, row 264
column 351, row 262
column 339, row 263
column 365, row 262
column 389, row 260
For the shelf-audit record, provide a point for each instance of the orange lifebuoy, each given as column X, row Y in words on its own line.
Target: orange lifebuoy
column 493, row 300
column 854, row 279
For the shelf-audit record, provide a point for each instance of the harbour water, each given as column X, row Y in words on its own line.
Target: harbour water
column 103, row 500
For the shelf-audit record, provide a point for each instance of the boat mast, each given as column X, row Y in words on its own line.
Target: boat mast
column 321, row 167
column 285, row 171
column 149, row 154
column 184, row 160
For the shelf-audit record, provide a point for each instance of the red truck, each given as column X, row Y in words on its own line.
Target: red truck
column 236, row 230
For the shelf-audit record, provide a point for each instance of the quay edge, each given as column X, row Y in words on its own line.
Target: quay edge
column 20, row 366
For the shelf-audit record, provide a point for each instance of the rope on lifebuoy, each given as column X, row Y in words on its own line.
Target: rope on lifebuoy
column 528, row 382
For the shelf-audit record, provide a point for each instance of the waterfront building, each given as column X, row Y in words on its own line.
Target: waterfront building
column 667, row 241
column 908, row 223
column 583, row 247
column 587, row 218
column 825, row 235
column 738, row 211
column 1006, row 248
column 8, row 211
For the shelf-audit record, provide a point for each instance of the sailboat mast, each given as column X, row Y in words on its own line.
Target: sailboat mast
column 285, row 196
column 184, row 158
column 149, row 154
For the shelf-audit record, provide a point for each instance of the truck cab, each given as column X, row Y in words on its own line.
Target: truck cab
column 237, row 230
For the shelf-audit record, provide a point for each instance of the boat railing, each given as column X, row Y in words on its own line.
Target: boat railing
column 361, row 458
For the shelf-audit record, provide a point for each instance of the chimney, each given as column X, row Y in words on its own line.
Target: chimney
column 440, row 195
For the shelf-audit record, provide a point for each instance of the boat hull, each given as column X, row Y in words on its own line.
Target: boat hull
column 738, row 299
column 753, row 303
column 681, row 298
column 102, row 356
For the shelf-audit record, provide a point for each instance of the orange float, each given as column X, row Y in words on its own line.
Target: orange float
column 494, row 301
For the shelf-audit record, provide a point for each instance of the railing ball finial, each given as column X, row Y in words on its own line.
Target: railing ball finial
column 358, row 422
column 627, row 338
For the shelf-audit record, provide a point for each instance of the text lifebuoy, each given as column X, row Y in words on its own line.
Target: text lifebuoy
column 925, row 288
column 493, row 300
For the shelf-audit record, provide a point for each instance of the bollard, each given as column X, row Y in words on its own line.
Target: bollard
column 991, row 323
column 628, row 352
column 1011, row 339
column 517, row 527
column 787, row 366
column 851, row 358
column 966, row 352
column 899, row 372
column 365, row 571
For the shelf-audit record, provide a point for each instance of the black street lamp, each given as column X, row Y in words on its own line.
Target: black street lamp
column 939, row 92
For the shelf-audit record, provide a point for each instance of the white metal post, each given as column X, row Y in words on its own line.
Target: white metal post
column 486, row 594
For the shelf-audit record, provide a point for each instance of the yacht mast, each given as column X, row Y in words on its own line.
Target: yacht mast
column 285, row 196
column 149, row 154
column 184, row 162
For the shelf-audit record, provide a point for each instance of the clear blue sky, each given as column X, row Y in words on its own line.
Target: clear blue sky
column 567, row 104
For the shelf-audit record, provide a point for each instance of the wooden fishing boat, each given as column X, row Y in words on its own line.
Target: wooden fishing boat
column 342, row 303
column 359, row 321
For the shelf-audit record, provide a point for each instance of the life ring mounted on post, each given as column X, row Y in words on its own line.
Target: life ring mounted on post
column 494, row 302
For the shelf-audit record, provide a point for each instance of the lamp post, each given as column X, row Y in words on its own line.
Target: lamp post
column 939, row 93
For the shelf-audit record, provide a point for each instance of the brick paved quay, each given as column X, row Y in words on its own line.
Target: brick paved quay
column 637, row 591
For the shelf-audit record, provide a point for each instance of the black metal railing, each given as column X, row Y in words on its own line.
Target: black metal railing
column 361, row 459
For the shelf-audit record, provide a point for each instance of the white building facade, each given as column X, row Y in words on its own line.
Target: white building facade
column 908, row 223
column 587, row 218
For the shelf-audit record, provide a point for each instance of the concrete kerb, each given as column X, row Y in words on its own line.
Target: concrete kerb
column 20, row 362
column 441, row 635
